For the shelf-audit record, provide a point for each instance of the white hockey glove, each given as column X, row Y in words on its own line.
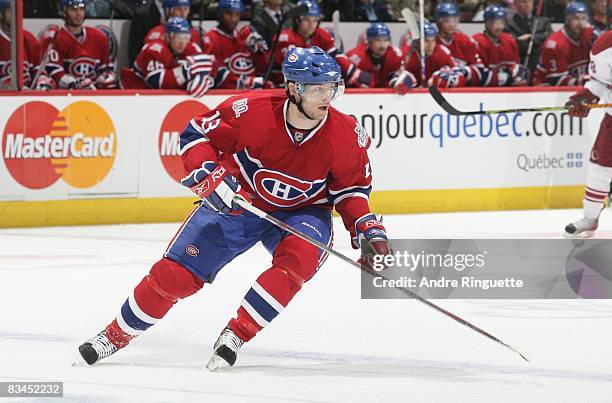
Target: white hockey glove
column 69, row 82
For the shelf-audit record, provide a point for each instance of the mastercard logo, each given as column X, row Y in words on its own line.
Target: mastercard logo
column 168, row 144
column 40, row 144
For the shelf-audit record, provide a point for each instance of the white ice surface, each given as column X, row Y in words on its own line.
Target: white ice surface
column 60, row 286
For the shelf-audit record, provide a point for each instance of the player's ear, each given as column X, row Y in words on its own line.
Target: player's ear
column 291, row 89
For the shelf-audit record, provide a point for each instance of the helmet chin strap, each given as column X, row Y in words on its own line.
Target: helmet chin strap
column 299, row 105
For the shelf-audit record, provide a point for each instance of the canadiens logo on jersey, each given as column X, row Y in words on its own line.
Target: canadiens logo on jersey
column 240, row 63
column 82, row 67
column 277, row 188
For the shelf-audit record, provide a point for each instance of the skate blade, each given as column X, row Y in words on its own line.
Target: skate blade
column 79, row 362
column 216, row 363
column 581, row 235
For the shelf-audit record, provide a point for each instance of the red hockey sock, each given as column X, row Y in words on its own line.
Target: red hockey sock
column 157, row 292
column 294, row 263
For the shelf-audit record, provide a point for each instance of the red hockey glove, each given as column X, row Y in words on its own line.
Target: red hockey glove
column 446, row 78
column 216, row 187
column 360, row 79
column 199, row 85
column 576, row 105
column 370, row 228
column 403, row 82
column 43, row 83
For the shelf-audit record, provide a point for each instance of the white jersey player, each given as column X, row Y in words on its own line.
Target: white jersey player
column 597, row 89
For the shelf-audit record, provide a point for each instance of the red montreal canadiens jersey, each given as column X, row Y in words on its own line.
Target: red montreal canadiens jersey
column 441, row 57
column 381, row 73
column 159, row 31
column 248, row 134
column 462, row 48
column 563, row 60
column 155, row 62
column 495, row 53
column 31, row 57
column 290, row 38
column 84, row 58
column 233, row 60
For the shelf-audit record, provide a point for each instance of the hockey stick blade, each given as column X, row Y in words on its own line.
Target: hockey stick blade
column 263, row 215
column 411, row 23
column 444, row 104
column 440, row 100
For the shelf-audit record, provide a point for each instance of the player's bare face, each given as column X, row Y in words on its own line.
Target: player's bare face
column 524, row 7
column 5, row 21
column 378, row 45
column 308, row 25
column 576, row 23
column 495, row 28
column 182, row 12
column 430, row 45
column 448, row 25
column 229, row 20
column 75, row 16
column 316, row 99
column 178, row 42
column 274, row 4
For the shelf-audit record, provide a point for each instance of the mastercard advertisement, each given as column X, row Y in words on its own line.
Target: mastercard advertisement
column 56, row 148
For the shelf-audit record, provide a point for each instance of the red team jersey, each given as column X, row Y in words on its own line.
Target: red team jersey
column 463, row 49
column 505, row 51
column 31, row 57
column 563, row 60
column 248, row 135
column 159, row 31
column 381, row 72
column 233, row 60
column 441, row 57
column 155, row 62
column 85, row 57
column 290, row 38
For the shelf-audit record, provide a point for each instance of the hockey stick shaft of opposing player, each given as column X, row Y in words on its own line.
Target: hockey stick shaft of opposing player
column 262, row 214
column 444, row 104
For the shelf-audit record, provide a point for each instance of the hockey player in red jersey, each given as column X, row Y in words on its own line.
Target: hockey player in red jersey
column 235, row 62
column 172, row 63
column 172, row 8
column 380, row 61
column 437, row 57
column 599, row 176
column 31, row 57
column 295, row 157
column 306, row 32
column 462, row 47
column 564, row 58
column 78, row 55
column 499, row 51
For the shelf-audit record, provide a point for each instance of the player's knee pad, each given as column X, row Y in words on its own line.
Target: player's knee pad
column 299, row 258
column 173, row 281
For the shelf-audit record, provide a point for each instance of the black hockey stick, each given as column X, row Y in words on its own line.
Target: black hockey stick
column 444, row 104
column 261, row 214
column 294, row 12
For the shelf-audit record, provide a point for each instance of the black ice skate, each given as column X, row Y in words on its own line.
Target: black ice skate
column 96, row 348
column 583, row 228
column 225, row 350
